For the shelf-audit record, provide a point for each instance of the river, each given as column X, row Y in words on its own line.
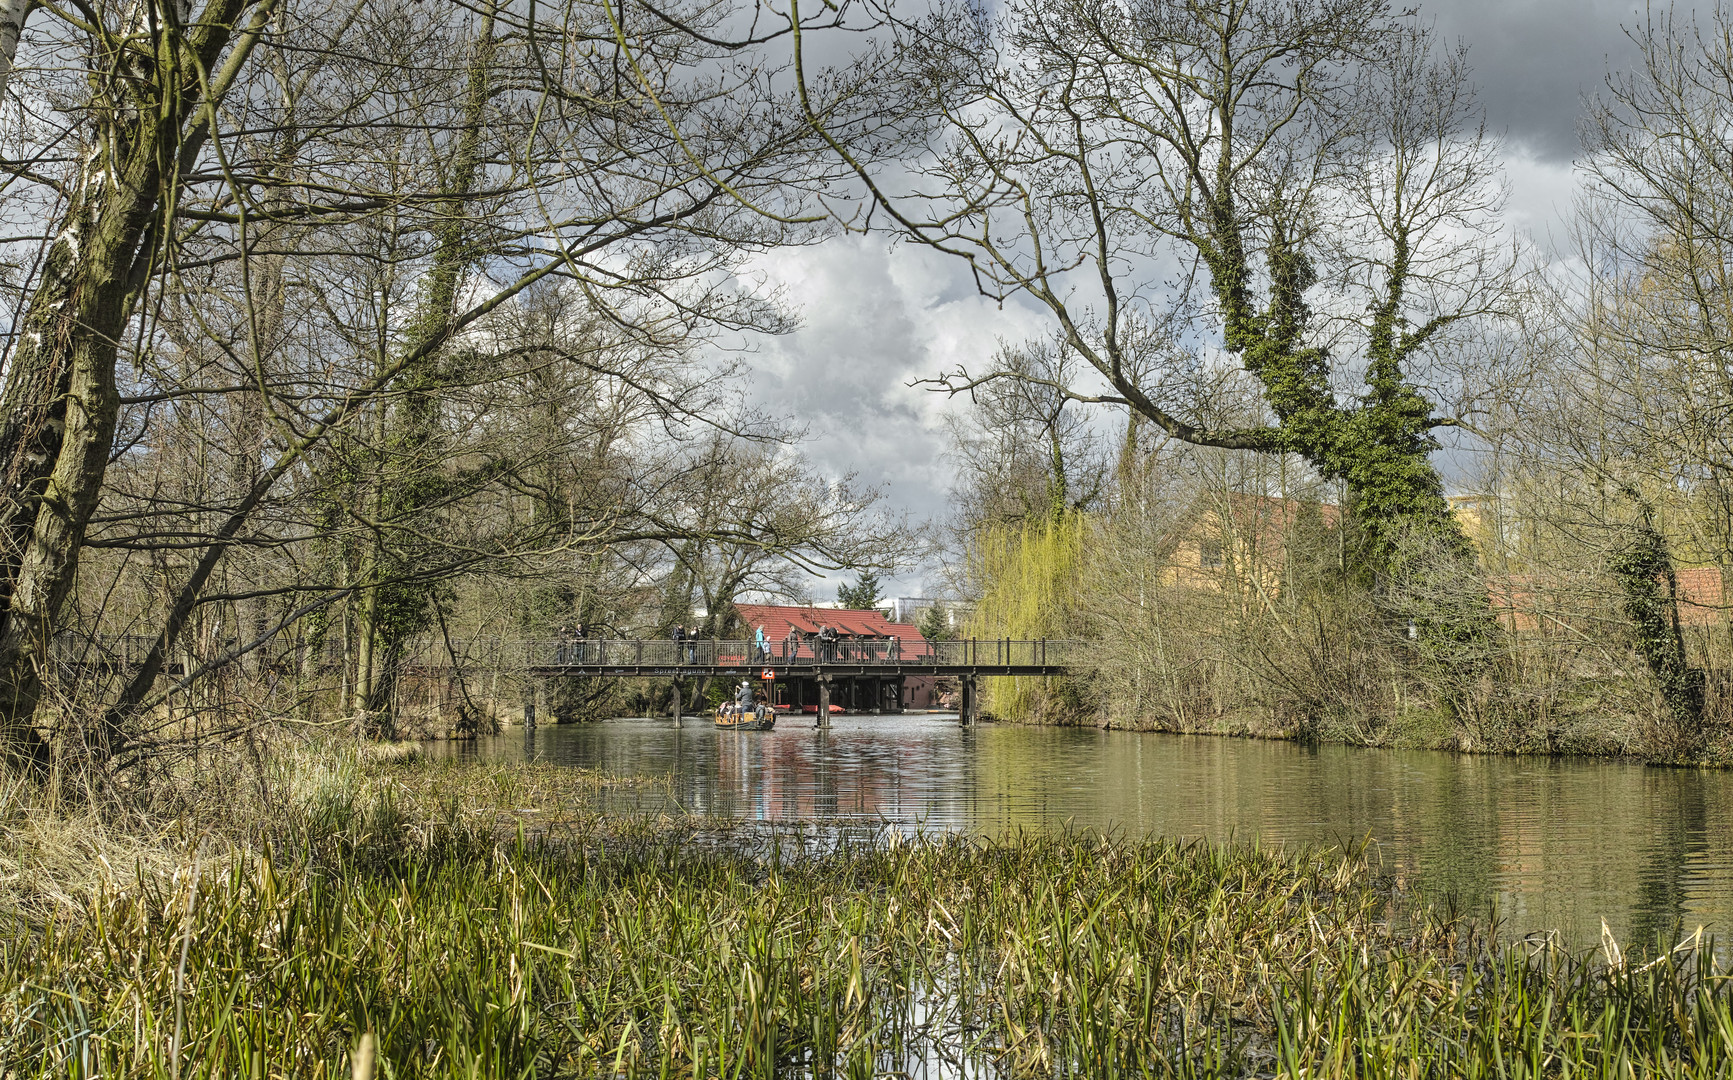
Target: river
column 1542, row 844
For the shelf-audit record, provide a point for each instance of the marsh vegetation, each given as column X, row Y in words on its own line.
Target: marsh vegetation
column 480, row 921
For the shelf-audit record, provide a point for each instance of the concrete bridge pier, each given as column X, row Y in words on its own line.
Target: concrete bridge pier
column 971, row 703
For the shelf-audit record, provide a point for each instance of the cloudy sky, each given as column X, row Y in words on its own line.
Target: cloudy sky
column 875, row 318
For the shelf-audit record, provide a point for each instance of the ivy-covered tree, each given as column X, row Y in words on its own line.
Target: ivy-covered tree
column 1303, row 186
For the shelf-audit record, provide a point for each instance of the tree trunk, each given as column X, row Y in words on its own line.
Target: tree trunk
column 60, row 407
column 1644, row 570
column 60, row 404
column 403, row 433
column 13, row 13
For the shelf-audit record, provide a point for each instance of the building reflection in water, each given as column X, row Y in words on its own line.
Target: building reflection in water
column 842, row 772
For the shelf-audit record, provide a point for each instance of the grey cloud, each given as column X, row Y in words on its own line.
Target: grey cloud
column 1534, row 60
column 873, row 320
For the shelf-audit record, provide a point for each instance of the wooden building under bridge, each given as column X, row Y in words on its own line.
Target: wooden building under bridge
column 860, row 634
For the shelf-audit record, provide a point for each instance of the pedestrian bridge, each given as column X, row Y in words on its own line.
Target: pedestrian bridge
column 638, row 656
column 861, row 673
column 869, row 669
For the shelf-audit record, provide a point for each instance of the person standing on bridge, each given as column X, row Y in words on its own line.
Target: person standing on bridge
column 791, row 646
column 679, row 642
column 762, row 644
column 563, row 645
column 580, row 634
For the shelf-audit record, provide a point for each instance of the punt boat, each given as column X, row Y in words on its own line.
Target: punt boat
column 727, row 718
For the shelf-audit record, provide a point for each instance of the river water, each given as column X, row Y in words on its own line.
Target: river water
column 1543, row 845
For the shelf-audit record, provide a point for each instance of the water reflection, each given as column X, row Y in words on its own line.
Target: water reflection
column 1548, row 845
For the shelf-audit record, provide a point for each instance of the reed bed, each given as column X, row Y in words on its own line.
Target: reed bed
column 452, row 939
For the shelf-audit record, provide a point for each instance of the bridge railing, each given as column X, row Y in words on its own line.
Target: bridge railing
column 116, row 651
column 643, row 652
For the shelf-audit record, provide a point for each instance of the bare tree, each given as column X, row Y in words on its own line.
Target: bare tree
column 752, row 518
column 1024, row 449
column 1621, row 446
column 331, row 201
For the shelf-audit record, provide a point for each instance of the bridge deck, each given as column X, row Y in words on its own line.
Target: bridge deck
column 783, row 671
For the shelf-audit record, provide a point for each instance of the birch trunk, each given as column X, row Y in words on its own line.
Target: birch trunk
column 13, row 14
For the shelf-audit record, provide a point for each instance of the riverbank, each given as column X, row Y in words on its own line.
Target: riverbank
column 1620, row 723
column 487, row 920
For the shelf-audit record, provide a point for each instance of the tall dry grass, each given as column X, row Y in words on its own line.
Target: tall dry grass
column 635, row 948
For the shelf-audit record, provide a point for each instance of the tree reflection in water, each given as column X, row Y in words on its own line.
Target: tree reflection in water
column 1542, row 844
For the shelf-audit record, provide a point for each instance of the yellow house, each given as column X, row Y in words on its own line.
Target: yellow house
column 1477, row 515
column 1239, row 535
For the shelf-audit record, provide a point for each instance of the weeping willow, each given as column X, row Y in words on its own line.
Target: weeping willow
column 1027, row 580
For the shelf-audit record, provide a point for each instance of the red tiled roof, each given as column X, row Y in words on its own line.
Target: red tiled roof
column 1516, row 598
column 776, row 619
column 1699, row 595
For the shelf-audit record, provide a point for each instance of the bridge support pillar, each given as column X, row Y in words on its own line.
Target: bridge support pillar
column 532, row 694
column 676, row 705
column 971, row 710
column 878, row 695
column 823, row 719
